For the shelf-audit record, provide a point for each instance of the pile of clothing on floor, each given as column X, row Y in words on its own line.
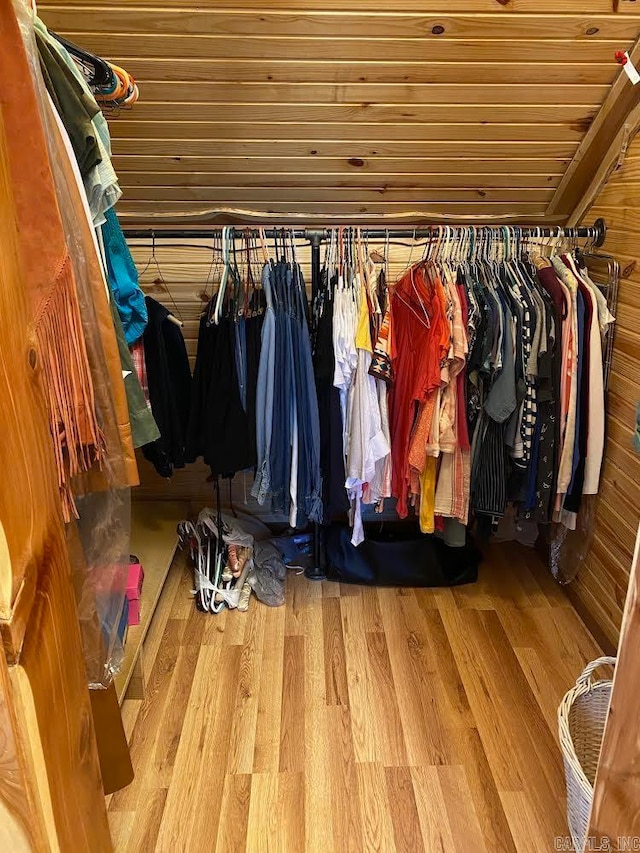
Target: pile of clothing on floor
column 234, row 557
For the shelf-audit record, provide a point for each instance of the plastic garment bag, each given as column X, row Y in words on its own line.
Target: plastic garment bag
column 98, row 539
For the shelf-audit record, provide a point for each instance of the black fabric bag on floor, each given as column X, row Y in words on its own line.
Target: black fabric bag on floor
column 398, row 556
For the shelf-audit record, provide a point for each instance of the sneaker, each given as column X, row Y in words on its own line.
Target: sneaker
column 245, row 595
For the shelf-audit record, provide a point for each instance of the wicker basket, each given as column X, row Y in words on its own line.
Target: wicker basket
column 581, row 720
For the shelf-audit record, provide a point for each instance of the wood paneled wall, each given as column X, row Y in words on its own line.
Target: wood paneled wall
column 601, row 586
column 333, row 110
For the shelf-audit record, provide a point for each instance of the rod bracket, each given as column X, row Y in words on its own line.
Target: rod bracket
column 601, row 227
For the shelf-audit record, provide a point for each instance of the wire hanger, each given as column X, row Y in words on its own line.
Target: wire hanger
column 161, row 283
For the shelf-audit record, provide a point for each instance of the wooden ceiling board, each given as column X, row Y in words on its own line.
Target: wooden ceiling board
column 142, row 169
column 198, row 21
column 339, row 49
column 284, row 70
column 231, row 132
column 172, row 91
column 500, row 8
column 381, row 181
column 324, row 109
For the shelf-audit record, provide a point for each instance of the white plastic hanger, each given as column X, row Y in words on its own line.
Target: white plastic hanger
column 226, row 237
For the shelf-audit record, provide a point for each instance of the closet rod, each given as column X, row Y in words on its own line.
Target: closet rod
column 597, row 232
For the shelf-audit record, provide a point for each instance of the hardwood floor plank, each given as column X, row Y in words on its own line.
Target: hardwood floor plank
column 463, row 820
column 334, row 653
column 485, row 795
column 434, row 823
column 377, row 822
column 150, row 717
column 371, row 615
column 183, row 602
column 390, row 739
column 163, row 610
column 235, row 626
column 232, row 830
column 345, row 807
column 404, row 812
column 521, row 749
column 198, row 776
column 530, row 835
column 245, row 712
column 415, row 677
column 297, row 600
column 292, row 740
column 266, row 752
column 263, row 832
column 541, row 634
column 330, row 589
column 170, row 729
column 359, row 679
column 318, row 810
column 446, row 665
column 120, row 826
column 215, row 627
column 291, row 819
column 147, row 823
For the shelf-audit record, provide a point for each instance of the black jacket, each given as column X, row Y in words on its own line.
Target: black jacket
column 169, row 379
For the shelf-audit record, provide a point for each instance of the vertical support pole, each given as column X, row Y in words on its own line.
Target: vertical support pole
column 316, row 571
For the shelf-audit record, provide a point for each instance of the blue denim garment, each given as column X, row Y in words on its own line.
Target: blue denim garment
column 283, row 396
column 309, row 480
column 265, row 393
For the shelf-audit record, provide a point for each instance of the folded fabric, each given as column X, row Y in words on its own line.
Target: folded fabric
column 123, row 279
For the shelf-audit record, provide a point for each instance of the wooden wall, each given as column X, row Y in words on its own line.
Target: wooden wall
column 332, row 110
column 601, row 586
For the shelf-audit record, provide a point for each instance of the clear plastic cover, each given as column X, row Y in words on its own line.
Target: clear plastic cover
column 569, row 548
column 99, row 539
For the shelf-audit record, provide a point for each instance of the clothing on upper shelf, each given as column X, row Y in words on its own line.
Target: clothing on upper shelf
column 100, row 181
column 169, row 379
column 74, row 106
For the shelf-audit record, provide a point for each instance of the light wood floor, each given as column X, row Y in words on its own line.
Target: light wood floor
column 356, row 719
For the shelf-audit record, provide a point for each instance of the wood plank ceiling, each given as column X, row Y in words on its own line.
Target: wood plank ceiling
column 346, row 111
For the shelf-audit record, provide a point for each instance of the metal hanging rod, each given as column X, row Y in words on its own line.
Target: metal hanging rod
column 596, row 232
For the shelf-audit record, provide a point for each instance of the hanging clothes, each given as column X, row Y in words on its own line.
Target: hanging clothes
column 486, row 369
column 334, row 496
column 287, row 419
column 123, row 279
column 169, row 379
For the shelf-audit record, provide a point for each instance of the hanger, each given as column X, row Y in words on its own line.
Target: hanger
column 204, row 294
column 226, row 231
column 98, row 70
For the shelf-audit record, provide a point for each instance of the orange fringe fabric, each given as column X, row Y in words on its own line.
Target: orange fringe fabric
column 77, row 438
